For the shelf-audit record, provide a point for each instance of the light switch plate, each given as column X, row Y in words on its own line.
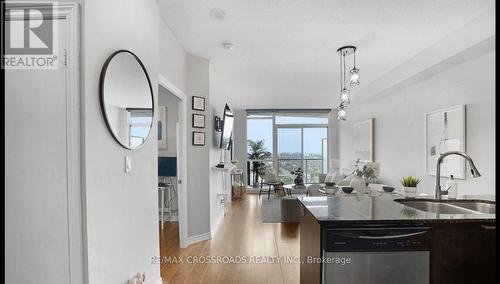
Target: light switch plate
column 128, row 164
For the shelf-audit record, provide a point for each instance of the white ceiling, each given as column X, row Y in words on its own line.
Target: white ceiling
column 285, row 50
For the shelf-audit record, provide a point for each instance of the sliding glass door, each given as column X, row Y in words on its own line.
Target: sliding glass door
column 260, row 147
column 302, row 147
column 290, row 141
column 289, row 152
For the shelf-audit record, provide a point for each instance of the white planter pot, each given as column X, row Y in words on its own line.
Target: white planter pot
column 410, row 192
column 358, row 184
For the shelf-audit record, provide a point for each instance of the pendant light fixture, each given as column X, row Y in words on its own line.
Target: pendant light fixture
column 354, row 80
column 354, row 71
column 344, row 92
column 341, row 112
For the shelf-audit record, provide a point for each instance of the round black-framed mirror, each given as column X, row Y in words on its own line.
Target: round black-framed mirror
column 127, row 101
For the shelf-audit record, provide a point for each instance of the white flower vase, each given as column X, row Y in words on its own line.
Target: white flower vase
column 358, row 184
column 410, row 192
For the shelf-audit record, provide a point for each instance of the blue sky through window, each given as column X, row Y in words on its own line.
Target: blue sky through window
column 261, row 129
column 289, row 140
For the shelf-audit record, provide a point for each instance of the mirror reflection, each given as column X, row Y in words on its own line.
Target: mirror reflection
column 127, row 99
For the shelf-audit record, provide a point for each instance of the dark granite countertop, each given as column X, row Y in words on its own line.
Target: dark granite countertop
column 381, row 208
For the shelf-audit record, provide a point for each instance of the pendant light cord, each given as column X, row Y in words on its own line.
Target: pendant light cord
column 343, row 67
column 340, row 67
column 354, row 58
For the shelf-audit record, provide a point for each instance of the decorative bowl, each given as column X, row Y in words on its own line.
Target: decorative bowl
column 388, row 188
column 347, row 189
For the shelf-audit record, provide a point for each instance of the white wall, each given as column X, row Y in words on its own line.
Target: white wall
column 399, row 121
column 172, row 57
column 198, row 161
column 333, row 132
column 240, row 140
column 218, row 99
column 121, row 208
column 171, row 102
column 190, row 74
column 42, row 237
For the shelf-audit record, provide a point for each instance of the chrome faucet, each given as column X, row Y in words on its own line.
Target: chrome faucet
column 473, row 170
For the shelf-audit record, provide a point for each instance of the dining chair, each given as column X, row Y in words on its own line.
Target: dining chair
column 271, row 180
column 313, row 190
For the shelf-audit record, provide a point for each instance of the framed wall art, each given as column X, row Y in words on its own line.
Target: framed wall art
column 198, row 138
column 445, row 131
column 362, row 140
column 198, row 103
column 198, row 120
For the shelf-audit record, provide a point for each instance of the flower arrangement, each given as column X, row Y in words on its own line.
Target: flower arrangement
column 297, row 172
column 299, row 176
column 366, row 171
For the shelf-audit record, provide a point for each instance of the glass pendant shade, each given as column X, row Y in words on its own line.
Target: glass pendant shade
column 344, row 96
column 354, row 77
column 341, row 113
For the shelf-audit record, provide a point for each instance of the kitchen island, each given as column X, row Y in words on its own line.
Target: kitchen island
column 389, row 239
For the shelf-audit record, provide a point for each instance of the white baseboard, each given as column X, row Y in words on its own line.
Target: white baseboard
column 198, row 238
column 217, row 224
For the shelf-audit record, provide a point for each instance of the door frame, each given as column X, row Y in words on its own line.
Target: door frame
column 70, row 13
column 181, row 158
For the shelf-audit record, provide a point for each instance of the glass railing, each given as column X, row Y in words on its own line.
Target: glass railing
column 312, row 169
column 254, row 167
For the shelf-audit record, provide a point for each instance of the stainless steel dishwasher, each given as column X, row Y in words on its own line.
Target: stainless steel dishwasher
column 376, row 255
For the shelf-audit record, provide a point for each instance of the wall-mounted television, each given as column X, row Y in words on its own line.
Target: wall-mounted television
column 227, row 128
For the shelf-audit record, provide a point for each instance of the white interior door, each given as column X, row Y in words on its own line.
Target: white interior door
column 37, row 230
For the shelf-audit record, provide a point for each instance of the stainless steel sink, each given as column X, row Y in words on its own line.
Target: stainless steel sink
column 450, row 207
column 479, row 206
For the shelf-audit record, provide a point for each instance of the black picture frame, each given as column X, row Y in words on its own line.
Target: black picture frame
column 193, row 99
column 195, row 115
column 200, row 133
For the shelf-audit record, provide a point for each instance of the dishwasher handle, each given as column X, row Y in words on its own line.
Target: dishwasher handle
column 376, row 234
column 393, row 236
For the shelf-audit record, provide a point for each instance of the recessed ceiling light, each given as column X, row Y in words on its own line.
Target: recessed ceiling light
column 227, row 45
column 217, row 14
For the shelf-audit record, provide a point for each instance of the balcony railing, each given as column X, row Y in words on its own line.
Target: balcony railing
column 312, row 169
column 268, row 163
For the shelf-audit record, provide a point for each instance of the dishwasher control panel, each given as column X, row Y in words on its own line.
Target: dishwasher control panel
column 377, row 239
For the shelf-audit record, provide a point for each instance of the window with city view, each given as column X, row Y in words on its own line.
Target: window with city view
column 260, row 146
column 286, row 142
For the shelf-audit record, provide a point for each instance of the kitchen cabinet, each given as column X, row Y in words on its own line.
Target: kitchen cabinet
column 463, row 252
column 310, row 247
column 461, row 249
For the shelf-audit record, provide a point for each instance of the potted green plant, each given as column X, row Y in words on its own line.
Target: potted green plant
column 410, row 186
column 256, row 152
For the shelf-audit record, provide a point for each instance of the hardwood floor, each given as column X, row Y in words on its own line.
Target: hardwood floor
column 241, row 233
